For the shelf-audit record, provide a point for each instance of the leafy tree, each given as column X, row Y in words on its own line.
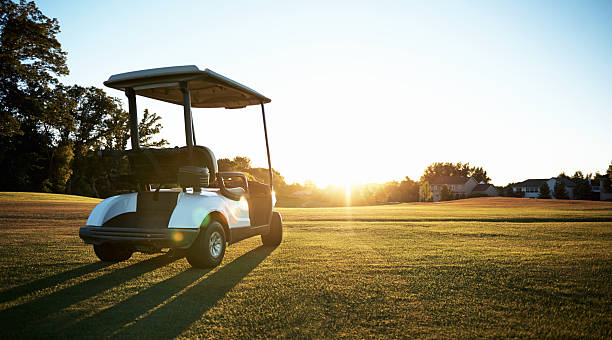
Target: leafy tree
column 92, row 111
column 607, row 181
column 117, row 131
column 30, row 60
column 425, row 192
column 48, row 131
column 583, row 190
column 149, row 126
column 480, row 175
column 563, row 175
column 450, row 169
column 393, row 191
column 544, row 191
column 508, row 190
column 409, row 190
column 243, row 164
column 445, row 193
column 238, row 163
column 559, row 190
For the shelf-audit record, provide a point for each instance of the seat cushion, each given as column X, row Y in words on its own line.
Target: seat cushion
column 161, row 166
column 239, row 191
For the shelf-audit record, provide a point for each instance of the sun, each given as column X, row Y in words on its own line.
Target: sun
column 347, row 193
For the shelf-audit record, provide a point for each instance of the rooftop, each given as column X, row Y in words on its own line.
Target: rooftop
column 482, row 187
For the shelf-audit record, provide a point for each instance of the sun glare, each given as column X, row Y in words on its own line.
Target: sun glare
column 347, row 193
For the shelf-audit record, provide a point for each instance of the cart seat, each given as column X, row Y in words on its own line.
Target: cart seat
column 161, row 166
column 238, row 191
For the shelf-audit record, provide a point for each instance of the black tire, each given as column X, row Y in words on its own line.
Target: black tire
column 275, row 236
column 204, row 252
column 108, row 252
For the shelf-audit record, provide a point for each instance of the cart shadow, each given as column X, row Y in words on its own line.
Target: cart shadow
column 168, row 308
column 33, row 312
column 49, row 281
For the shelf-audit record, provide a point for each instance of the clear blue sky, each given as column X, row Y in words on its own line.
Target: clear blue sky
column 373, row 91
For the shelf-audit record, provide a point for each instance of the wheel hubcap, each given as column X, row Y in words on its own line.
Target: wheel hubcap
column 216, row 244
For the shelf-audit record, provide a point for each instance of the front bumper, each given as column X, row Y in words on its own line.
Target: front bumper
column 139, row 238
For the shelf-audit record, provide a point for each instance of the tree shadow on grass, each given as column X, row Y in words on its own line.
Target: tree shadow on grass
column 176, row 315
column 23, row 319
column 49, row 281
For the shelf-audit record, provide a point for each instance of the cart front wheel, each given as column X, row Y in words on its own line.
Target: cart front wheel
column 108, row 252
column 208, row 249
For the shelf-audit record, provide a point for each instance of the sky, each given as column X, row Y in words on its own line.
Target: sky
column 372, row 91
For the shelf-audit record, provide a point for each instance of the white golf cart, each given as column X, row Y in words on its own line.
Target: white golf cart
column 211, row 209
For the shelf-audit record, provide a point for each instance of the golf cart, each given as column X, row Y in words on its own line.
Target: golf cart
column 209, row 209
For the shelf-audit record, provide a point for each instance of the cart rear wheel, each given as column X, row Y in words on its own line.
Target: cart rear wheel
column 108, row 252
column 208, row 249
column 275, row 236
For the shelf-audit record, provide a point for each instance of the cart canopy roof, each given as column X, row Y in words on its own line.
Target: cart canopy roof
column 207, row 88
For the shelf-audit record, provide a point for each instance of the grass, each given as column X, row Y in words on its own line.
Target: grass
column 469, row 268
column 39, row 196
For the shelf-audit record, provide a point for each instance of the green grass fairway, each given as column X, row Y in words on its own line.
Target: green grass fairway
column 495, row 267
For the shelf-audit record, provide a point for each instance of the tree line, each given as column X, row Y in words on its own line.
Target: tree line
column 49, row 131
column 406, row 190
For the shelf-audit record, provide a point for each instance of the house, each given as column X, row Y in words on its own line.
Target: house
column 598, row 188
column 460, row 186
column 484, row 189
column 531, row 187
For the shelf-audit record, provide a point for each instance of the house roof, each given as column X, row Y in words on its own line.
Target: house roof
column 449, row 180
column 530, row 183
column 567, row 182
column 536, row 183
column 482, row 187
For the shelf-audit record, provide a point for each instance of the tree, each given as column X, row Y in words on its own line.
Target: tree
column 243, row 164
column 445, row 193
column 408, row 190
column 559, row 190
column 544, row 191
column 480, row 175
column 49, row 132
column 238, row 163
column 93, row 114
column 563, row 175
column 148, row 127
column 583, row 190
column 30, row 60
column 425, row 192
column 607, row 180
column 438, row 169
column 393, row 191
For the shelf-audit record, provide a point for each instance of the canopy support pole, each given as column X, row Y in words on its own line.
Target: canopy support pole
column 133, row 118
column 187, row 114
column 193, row 129
column 263, row 115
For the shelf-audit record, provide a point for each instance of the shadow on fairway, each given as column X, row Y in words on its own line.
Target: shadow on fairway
column 154, row 313
column 49, row 281
column 32, row 313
